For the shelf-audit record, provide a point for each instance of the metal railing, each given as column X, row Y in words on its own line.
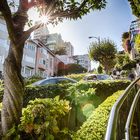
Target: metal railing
column 122, row 114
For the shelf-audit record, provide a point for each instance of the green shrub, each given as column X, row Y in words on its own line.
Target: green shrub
column 41, row 118
column 48, row 91
column 32, row 79
column 77, row 77
column 95, row 126
column 103, row 89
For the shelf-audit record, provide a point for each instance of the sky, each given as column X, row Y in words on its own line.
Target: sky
column 110, row 23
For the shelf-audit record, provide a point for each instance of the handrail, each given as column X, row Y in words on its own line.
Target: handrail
column 112, row 123
column 131, row 116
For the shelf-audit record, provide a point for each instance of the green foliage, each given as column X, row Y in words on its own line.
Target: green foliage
column 40, row 119
column 137, row 42
column 103, row 52
column 73, row 9
column 32, row 79
column 74, row 69
column 129, row 65
column 121, row 60
column 103, row 89
column 135, row 7
column 59, row 50
column 1, row 85
column 77, row 77
column 125, row 35
column 48, row 91
column 100, row 69
column 95, row 126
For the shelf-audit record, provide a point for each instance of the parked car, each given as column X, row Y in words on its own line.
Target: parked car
column 54, row 80
column 92, row 77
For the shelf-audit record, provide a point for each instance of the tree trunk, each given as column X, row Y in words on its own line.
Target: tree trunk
column 13, row 90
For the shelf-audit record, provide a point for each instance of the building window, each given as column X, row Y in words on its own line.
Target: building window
column 42, row 61
column 30, row 46
column 29, row 59
column 42, row 50
column 28, row 71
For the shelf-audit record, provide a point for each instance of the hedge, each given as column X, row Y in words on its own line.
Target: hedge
column 95, row 126
column 77, row 77
column 103, row 89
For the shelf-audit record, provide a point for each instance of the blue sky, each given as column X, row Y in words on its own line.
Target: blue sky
column 110, row 22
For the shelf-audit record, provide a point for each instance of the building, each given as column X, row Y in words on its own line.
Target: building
column 66, row 59
column 41, row 33
column 69, row 49
column 37, row 57
column 134, row 31
column 54, row 41
column 29, row 59
column 4, row 42
column 46, row 61
column 83, row 60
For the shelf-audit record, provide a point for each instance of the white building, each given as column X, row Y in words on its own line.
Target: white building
column 29, row 59
column 83, row 60
column 66, row 59
column 69, row 49
column 54, row 41
column 4, row 42
column 41, row 33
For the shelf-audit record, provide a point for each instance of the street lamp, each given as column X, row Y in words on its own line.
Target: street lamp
column 98, row 38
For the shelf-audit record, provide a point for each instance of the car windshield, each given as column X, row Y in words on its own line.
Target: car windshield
column 103, row 77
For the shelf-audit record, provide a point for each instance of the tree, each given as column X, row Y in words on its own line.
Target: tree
column 135, row 7
column 59, row 51
column 56, row 10
column 74, row 68
column 121, row 60
column 100, row 69
column 126, row 42
column 103, row 52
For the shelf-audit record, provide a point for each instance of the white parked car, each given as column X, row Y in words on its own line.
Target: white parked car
column 92, row 77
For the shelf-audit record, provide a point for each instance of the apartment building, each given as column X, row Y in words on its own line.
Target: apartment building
column 29, row 59
column 46, row 61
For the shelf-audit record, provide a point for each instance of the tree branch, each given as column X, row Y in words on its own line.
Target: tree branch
column 6, row 12
column 82, row 4
column 27, row 33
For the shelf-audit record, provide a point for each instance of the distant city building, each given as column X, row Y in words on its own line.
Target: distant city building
column 66, row 59
column 83, row 60
column 69, row 49
column 54, row 41
column 41, row 33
